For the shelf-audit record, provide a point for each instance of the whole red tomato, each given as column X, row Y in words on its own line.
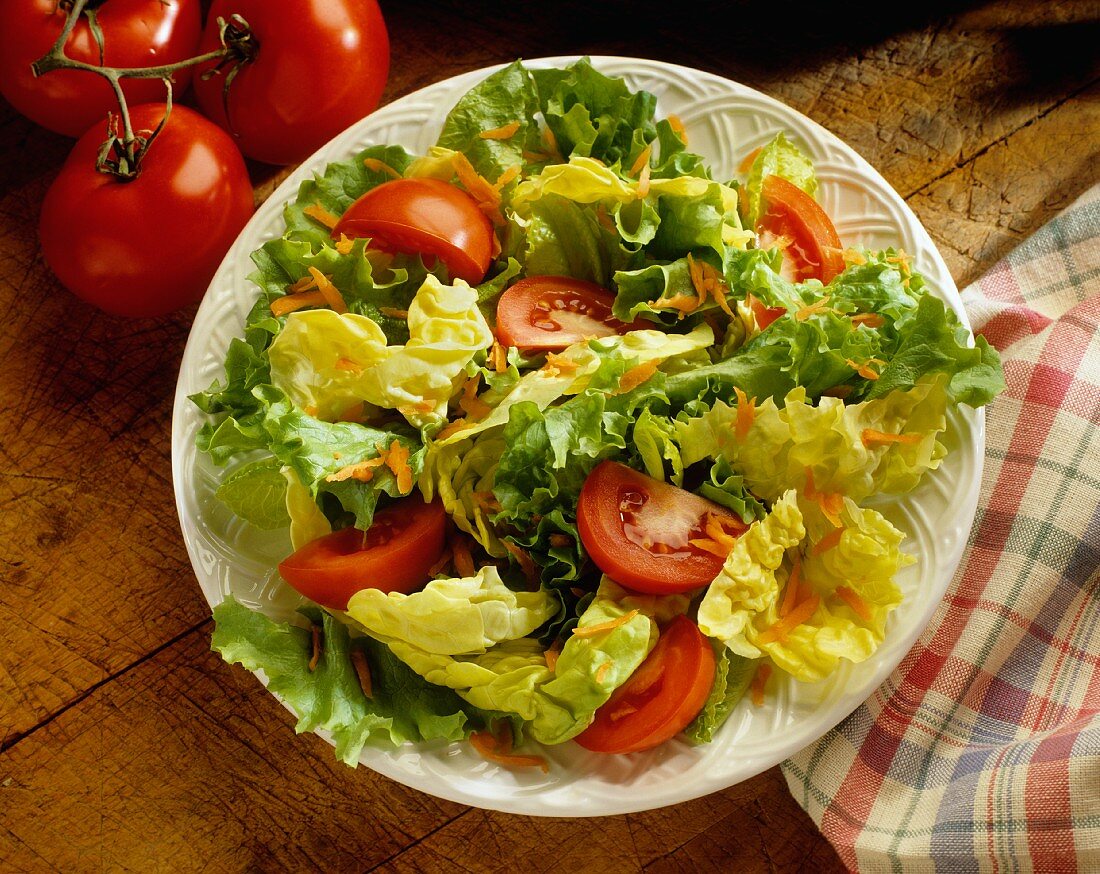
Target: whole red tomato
column 150, row 245
column 319, row 66
column 136, row 33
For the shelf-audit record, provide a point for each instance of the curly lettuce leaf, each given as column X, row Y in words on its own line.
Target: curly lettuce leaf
column 257, row 493
column 732, row 677
column 402, row 708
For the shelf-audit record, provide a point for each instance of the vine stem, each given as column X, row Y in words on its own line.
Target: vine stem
column 133, row 148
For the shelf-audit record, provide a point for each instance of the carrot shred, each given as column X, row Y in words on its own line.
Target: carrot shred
column 853, row 256
column 853, row 600
column 865, row 370
column 397, row 460
column 556, row 364
column 444, row 560
column 361, row 470
column 601, row 627
column 792, row 620
column 643, row 181
column 473, row 406
column 380, row 167
column 463, row 558
column 828, row 541
column 304, row 284
column 685, row 303
column 319, row 214
column 551, row 143
column 332, row 295
column 790, row 593
column 715, row 283
column 602, row 670
column 551, row 656
column 746, row 163
column 871, row 320
column 746, row 415
column 561, row 541
column 500, row 133
column 641, row 160
column 605, row 219
column 498, row 357
column 526, row 563
column 622, row 711
column 813, row 309
column 711, row 546
column 394, row 313
column 636, row 375
column 677, row 126
column 344, row 244
column 487, row 501
column 507, row 176
column 318, row 648
column 499, row 750
column 714, row 526
column 362, row 671
column 478, row 187
column 759, row 681
column 695, row 271
column 283, row 305
column 871, row 437
column 452, row 428
column 348, row 365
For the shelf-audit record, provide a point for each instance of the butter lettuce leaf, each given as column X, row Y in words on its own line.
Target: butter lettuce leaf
column 781, row 158
column 257, row 493
column 732, row 677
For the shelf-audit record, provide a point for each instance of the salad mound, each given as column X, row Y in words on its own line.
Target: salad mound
column 571, row 440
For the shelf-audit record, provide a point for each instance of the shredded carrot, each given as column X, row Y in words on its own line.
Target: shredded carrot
column 336, row 456
column 790, row 593
column 853, row 256
column 473, row 406
column 353, row 413
column 453, row 428
column 746, row 163
column 507, row 176
column 526, row 563
column 622, row 711
column 636, row 375
column 499, row 750
column 602, row 670
column 535, row 157
column 478, row 187
column 715, row 283
column 283, row 305
column 318, row 648
column 319, row 214
column 551, row 656
column 463, row 558
column 853, row 600
column 601, row 627
column 495, row 249
column 715, row 527
column 902, row 261
column 561, row 541
column 605, row 220
column 408, row 410
column 344, row 244
column 865, row 370
column 498, row 356
column 643, row 182
column 303, row 284
column 310, row 410
column 493, row 213
column 759, row 681
column 746, row 415
column 708, row 545
column 361, row 470
column 397, row 460
column 487, row 501
column 641, row 160
column 394, row 313
column 443, row 561
column 677, row 126
column 685, row 303
column 501, row 133
column 695, row 271
column 332, row 295
column 380, row 167
column 348, row 365
column 580, row 593
column 556, row 364
column 837, row 391
column 828, row 541
column 792, row 620
column 813, row 309
column 871, row 437
column 871, row 320
column 551, row 143
column 362, row 671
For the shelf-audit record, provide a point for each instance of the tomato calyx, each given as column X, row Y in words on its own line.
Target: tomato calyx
column 241, row 49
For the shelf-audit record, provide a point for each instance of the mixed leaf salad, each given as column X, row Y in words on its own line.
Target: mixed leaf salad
column 572, row 440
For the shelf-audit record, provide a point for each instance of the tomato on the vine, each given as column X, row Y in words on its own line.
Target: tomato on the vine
column 136, row 33
column 318, row 67
column 650, row 536
column 548, row 313
column 660, row 699
column 394, row 555
column 425, row 217
column 149, row 245
column 812, row 245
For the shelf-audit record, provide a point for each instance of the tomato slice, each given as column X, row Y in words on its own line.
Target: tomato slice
column 790, row 214
column 548, row 313
column 424, row 217
column 660, row 699
column 638, row 530
column 763, row 313
column 394, row 555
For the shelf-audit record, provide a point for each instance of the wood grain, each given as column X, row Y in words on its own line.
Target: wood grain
column 126, row 745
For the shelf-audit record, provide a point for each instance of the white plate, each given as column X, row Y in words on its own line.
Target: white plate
column 724, row 121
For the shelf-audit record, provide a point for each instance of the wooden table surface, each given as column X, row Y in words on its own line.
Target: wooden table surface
column 125, row 744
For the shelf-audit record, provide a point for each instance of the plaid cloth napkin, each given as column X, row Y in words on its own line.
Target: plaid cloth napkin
column 982, row 750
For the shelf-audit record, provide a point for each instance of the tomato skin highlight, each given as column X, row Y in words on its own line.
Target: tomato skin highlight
column 604, row 533
column 426, row 217
column 815, row 247
column 321, row 66
column 548, row 313
column 150, row 245
column 660, row 699
column 136, row 33
column 404, row 541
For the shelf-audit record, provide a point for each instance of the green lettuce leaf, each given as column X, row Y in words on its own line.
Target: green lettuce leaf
column 403, row 707
column 782, row 158
column 732, row 677
column 257, row 493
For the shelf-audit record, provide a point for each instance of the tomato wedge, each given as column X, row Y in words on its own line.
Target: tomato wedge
column 660, row 699
column 548, row 313
column 639, row 530
column 394, row 555
column 424, row 217
column 763, row 313
column 813, row 248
